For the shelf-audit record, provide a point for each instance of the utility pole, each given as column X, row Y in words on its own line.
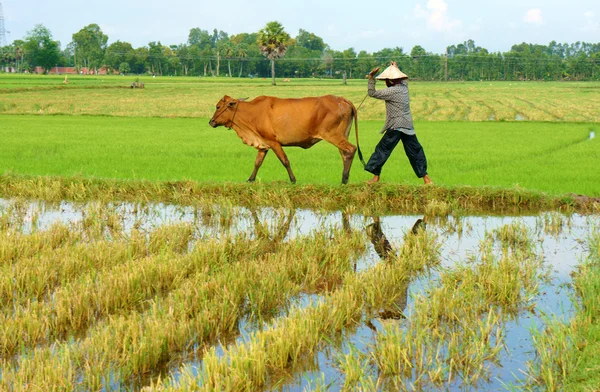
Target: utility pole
column 446, row 65
column 2, row 30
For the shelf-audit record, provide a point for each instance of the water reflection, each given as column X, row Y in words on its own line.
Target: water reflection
column 380, row 242
column 386, row 252
column 561, row 240
column 277, row 230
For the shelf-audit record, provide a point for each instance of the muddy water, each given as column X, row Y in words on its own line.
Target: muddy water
column 563, row 246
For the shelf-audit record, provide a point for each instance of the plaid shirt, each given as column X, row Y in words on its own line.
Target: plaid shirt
column 397, row 106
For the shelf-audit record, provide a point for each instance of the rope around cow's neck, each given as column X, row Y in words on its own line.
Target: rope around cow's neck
column 235, row 111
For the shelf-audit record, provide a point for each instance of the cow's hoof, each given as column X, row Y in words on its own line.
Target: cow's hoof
column 250, row 180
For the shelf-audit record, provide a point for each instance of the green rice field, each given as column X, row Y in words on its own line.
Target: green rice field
column 98, row 127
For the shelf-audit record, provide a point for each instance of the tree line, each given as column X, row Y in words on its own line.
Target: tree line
column 307, row 55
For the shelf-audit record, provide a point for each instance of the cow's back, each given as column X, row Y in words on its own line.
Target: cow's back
column 295, row 121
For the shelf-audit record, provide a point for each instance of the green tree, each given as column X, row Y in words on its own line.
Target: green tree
column 183, row 54
column 118, row 53
column 327, row 60
column 242, row 53
column 310, row 41
column 273, row 42
column 8, row 57
column 90, row 46
column 124, row 68
column 247, row 51
column 206, row 54
column 349, row 56
column 156, row 57
column 219, row 42
column 199, row 37
column 229, row 50
column 385, row 55
column 193, row 59
column 68, row 56
column 365, row 63
column 141, row 64
column 19, row 46
column 418, row 54
column 218, row 50
column 40, row 49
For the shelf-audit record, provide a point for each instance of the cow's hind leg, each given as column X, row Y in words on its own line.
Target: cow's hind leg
column 257, row 163
column 278, row 150
column 347, row 151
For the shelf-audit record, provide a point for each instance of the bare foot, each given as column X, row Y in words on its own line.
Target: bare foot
column 373, row 180
column 427, row 180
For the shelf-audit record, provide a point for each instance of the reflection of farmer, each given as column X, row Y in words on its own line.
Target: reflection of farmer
column 384, row 249
column 380, row 242
column 398, row 124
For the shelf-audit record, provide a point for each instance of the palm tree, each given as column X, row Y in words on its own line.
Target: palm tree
column 229, row 51
column 19, row 55
column 272, row 41
column 242, row 54
column 218, row 51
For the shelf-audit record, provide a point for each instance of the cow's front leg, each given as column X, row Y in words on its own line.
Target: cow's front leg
column 257, row 163
column 278, row 150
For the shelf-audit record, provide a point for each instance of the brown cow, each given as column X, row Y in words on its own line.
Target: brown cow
column 269, row 123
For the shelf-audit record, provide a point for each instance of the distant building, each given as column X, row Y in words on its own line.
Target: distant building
column 73, row 71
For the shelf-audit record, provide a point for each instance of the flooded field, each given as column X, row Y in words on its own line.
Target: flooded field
column 126, row 295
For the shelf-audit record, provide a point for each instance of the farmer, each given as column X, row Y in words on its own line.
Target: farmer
column 398, row 124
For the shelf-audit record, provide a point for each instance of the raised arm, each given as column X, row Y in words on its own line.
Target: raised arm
column 385, row 93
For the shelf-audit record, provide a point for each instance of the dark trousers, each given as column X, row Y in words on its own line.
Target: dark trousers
column 412, row 147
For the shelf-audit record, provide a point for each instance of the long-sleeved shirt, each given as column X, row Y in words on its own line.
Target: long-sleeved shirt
column 397, row 106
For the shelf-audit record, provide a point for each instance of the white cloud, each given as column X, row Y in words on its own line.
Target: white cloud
column 476, row 27
column 437, row 17
column 534, row 16
column 371, row 33
column 591, row 24
column 111, row 29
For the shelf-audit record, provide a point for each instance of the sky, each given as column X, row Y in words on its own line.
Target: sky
column 433, row 24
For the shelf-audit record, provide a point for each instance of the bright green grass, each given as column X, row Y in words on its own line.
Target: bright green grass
column 552, row 157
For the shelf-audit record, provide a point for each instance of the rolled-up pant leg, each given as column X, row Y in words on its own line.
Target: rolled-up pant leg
column 414, row 152
column 383, row 150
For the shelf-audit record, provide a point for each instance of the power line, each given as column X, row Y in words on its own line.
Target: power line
column 454, row 60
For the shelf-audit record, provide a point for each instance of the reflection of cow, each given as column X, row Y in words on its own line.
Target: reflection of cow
column 270, row 123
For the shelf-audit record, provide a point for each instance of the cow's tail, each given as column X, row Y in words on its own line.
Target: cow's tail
column 354, row 113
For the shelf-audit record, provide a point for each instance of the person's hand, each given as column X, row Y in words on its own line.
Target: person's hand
column 373, row 72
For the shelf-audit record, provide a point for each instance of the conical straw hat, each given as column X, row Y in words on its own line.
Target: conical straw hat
column 392, row 72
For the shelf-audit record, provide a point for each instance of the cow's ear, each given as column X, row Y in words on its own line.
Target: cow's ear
column 232, row 103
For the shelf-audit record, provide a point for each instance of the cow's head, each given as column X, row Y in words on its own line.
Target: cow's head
column 225, row 111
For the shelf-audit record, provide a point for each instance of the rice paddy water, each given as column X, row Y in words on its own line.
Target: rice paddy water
column 106, row 295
